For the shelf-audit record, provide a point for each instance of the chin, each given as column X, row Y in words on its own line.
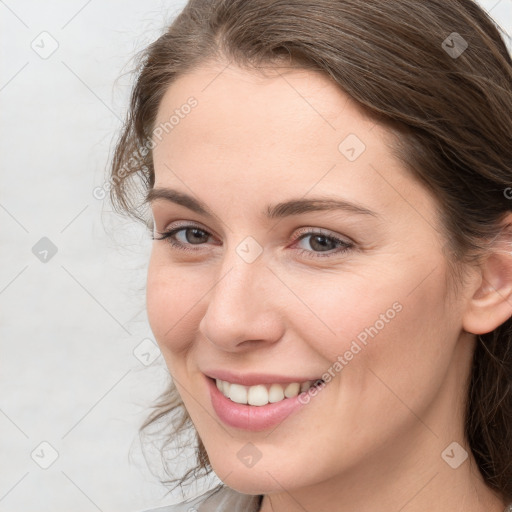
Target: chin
column 248, row 482
column 262, row 477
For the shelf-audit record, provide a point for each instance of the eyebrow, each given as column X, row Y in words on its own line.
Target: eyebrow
column 276, row 211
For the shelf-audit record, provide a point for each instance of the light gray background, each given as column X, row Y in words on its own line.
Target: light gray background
column 78, row 365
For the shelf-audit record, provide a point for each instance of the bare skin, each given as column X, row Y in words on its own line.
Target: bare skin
column 374, row 437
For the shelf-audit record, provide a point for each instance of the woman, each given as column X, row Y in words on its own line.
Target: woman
column 331, row 277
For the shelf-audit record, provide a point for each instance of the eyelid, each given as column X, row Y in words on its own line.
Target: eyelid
column 183, row 224
column 321, row 231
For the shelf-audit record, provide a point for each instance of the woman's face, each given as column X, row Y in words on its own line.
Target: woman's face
column 315, row 255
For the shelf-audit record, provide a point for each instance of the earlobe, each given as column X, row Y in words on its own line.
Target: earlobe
column 491, row 303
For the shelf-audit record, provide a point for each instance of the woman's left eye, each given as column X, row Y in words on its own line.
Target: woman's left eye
column 321, row 242
column 184, row 237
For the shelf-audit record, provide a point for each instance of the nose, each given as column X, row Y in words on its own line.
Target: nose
column 243, row 308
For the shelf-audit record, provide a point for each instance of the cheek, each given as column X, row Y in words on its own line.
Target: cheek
column 342, row 314
column 382, row 322
column 393, row 344
column 396, row 346
column 173, row 299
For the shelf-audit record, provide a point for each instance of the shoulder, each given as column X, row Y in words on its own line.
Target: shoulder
column 219, row 499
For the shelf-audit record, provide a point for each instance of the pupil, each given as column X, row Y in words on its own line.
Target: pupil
column 197, row 233
column 322, row 245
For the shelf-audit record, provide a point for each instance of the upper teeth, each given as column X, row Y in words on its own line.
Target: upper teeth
column 261, row 394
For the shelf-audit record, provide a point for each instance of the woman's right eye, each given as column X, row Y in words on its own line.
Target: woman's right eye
column 190, row 235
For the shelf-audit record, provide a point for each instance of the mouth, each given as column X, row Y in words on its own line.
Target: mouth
column 263, row 394
column 263, row 404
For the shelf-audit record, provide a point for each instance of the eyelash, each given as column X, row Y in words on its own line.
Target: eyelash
column 344, row 245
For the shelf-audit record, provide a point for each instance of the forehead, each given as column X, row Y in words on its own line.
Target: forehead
column 268, row 98
column 271, row 115
column 259, row 132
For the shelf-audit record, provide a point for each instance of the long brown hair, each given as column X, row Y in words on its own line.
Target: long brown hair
column 437, row 71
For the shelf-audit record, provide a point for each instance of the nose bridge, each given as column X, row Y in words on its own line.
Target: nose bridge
column 243, row 269
column 236, row 280
column 238, row 307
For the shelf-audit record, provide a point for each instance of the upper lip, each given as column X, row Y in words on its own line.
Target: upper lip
column 252, row 379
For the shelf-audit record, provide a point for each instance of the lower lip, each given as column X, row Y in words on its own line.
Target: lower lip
column 251, row 417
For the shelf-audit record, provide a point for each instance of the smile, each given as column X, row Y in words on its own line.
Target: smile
column 258, row 401
column 263, row 394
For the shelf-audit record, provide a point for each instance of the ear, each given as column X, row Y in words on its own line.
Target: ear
column 491, row 303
